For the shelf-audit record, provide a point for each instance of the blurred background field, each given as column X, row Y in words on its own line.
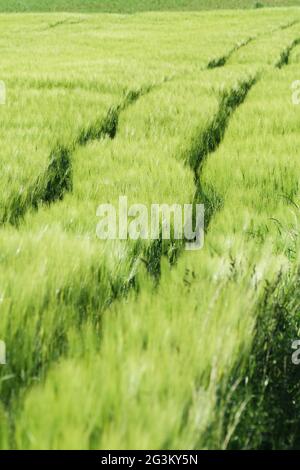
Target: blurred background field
column 132, row 6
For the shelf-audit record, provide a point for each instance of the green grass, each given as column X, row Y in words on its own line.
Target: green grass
column 132, row 6
column 140, row 344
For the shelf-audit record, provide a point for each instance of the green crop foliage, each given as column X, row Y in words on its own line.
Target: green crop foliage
column 141, row 344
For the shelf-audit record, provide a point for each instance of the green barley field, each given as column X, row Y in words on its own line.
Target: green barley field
column 141, row 344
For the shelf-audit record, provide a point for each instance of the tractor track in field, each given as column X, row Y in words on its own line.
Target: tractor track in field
column 285, row 54
column 66, row 22
column 267, row 392
column 58, row 176
column 287, row 25
column 214, row 133
column 57, row 179
column 222, row 60
column 240, row 394
column 202, row 146
column 209, row 141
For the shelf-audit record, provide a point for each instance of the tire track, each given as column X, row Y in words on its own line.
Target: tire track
column 209, row 141
column 285, row 54
column 237, row 391
column 57, row 179
column 211, row 138
column 202, row 146
column 267, row 392
column 222, row 61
